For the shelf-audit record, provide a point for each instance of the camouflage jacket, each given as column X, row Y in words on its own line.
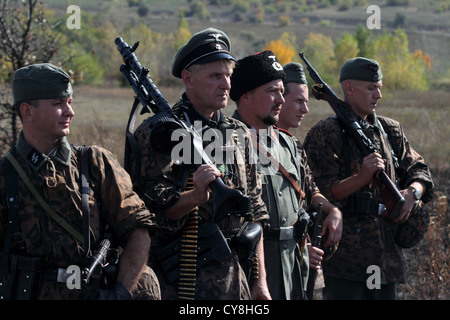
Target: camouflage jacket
column 160, row 180
column 368, row 239
column 112, row 202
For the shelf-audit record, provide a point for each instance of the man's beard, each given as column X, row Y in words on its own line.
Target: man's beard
column 270, row 120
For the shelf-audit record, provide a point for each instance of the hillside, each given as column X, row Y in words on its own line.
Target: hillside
column 252, row 24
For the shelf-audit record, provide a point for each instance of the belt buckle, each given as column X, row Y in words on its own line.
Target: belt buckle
column 63, row 275
column 381, row 209
column 286, row 233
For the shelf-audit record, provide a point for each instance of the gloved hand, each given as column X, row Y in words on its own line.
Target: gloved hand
column 118, row 292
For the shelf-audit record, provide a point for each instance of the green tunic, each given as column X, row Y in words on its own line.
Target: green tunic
column 286, row 262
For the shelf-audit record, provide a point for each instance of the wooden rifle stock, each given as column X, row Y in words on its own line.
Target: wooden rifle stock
column 392, row 198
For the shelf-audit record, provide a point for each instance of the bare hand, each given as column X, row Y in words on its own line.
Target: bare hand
column 315, row 256
column 202, row 178
column 371, row 164
column 333, row 225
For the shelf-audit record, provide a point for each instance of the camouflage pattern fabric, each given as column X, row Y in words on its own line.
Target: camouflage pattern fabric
column 158, row 183
column 112, row 201
column 148, row 287
column 366, row 239
column 409, row 233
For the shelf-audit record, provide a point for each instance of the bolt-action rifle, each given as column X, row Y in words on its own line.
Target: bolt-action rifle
column 163, row 123
column 316, row 241
column 392, row 198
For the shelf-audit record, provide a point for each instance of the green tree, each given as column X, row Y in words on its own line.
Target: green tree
column 346, row 48
column 319, row 49
column 365, row 41
column 401, row 70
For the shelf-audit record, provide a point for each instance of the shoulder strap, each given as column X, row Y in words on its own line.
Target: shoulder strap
column 63, row 223
column 383, row 131
column 277, row 164
column 85, row 198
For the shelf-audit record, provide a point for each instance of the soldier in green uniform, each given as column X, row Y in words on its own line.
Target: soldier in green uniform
column 192, row 257
column 345, row 177
column 43, row 99
column 257, row 88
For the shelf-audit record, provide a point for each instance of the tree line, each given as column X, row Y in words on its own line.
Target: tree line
column 32, row 33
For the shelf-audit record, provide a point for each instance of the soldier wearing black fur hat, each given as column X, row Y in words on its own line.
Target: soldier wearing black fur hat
column 50, row 222
column 257, row 88
column 206, row 264
column 345, row 177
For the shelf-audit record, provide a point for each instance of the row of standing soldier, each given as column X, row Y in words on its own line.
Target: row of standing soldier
column 169, row 219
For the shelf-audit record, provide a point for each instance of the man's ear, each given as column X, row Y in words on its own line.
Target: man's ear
column 186, row 76
column 348, row 88
column 26, row 110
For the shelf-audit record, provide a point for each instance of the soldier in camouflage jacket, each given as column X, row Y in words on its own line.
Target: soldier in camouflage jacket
column 345, row 176
column 43, row 97
column 179, row 194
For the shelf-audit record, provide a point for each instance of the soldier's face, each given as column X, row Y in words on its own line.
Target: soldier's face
column 208, row 86
column 265, row 103
column 294, row 107
column 363, row 96
column 51, row 119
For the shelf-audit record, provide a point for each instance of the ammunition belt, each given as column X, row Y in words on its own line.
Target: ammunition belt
column 189, row 250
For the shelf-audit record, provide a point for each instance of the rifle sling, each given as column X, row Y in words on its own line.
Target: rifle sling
column 63, row 223
column 84, row 171
column 277, row 164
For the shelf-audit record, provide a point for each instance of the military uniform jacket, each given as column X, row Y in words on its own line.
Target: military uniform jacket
column 285, row 274
column 366, row 239
column 111, row 200
column 160, row 183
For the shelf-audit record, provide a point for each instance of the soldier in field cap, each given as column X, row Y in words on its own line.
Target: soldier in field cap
column 182, row 198
column 288, row 190
column 345, row 176
column 48, row 229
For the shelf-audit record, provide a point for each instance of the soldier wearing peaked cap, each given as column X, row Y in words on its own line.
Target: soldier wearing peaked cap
column 257, row 88
column 49, row 220
column 345, row 176
column 202, row 267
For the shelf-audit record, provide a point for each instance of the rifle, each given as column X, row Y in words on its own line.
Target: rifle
column 316, row 241
column 392, row 198
column 164, row 122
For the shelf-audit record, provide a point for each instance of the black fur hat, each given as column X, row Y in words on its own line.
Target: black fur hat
column 254, row 71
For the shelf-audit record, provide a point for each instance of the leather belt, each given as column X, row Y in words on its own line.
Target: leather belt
column 58, row 275
column 282, row 233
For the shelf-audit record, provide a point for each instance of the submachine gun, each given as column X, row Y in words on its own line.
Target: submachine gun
column 225, row 200
column 106, row 259
column 392, row 198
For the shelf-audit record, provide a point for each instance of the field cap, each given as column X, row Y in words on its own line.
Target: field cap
column 294, row 73
column 39, row 82
column 361, row 69
column 208, row 45
column 254, row 71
